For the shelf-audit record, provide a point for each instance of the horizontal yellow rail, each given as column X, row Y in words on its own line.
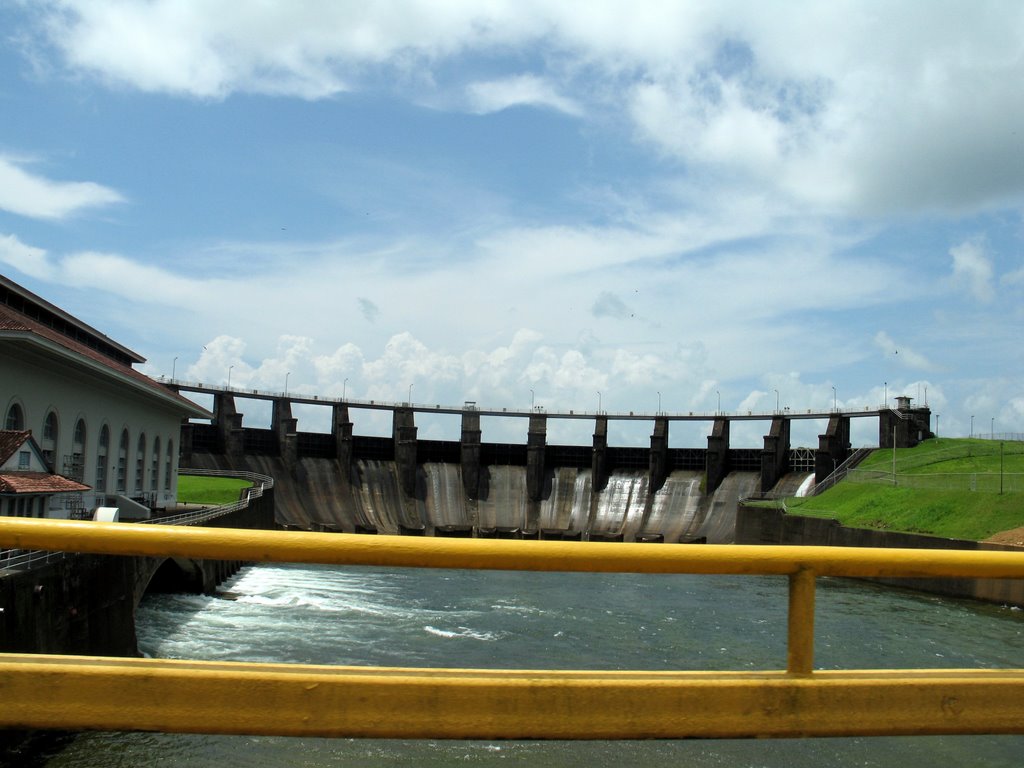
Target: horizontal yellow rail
column 499, row 554
column 293, row 700
column 189, row 696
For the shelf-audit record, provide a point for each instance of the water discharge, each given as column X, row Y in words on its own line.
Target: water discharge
column 438, row 618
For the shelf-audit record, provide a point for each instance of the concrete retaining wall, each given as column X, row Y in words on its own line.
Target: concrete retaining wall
column 764, row 525
column 85, row 604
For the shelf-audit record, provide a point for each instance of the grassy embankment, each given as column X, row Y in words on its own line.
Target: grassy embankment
column 944, row 487
column 214, row 491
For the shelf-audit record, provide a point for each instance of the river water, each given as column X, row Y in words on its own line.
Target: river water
column 439, row 618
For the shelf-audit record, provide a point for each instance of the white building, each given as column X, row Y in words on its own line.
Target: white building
column 95, row 419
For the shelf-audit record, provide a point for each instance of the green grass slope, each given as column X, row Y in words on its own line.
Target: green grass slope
column 944, row 487
column 196, row 489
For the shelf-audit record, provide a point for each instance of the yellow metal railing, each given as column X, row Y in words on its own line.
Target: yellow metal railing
column 190, row 696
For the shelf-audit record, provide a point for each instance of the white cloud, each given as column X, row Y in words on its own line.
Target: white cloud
column 27, row 259
column 830, row 105
column 521, row 90
column 134, row 280
column 40, row 198
column 900, row 353
column 972, row 267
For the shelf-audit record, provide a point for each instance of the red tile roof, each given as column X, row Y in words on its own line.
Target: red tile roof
column 10, row 441
column 38, row 483
column 13, row 320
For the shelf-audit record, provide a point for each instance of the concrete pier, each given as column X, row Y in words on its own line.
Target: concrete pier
column 599, row 457
column 718, row 454
column 404, row 434
column 659, row 456
column 341, row 429
column 904, row 423
column 536, row 444
column 229, row 424
column 833, row 447
column 470, row 454
column 775, row 457
column 284, row 428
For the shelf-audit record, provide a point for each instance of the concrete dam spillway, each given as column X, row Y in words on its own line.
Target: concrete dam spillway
column 314, row 494
column 338, row 481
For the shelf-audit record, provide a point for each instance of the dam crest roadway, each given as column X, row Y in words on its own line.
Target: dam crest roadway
column 471, row 406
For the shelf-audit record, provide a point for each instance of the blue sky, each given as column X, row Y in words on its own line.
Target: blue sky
column 483, row 199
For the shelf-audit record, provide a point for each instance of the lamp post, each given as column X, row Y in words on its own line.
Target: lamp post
column 992, row 429
column 344, row 387
column 659, row 403
column 972, row 426
column 719, row 402
column 289, row 373
column 174, row 366
column 409, row 401
column 834, row 406
column 937, row 417
column 599, row 402
column 776, row 401
column 229, row 375
column 885, row 394
column 532, row 398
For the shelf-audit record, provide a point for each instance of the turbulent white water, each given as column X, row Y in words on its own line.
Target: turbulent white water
column 434, row 618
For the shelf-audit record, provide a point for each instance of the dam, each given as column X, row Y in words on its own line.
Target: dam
column 341, row 481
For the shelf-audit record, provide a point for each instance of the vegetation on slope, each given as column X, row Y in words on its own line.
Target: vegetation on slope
column 943, row 487
column 196, row 489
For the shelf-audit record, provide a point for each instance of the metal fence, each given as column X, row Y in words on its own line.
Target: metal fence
column 24, row 559
column 981, row 482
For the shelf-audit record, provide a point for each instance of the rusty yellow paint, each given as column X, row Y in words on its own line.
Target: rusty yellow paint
column 293, row 700
column 498, row 554
column 800, row 656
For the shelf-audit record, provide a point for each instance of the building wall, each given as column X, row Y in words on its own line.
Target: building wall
column 41, row 384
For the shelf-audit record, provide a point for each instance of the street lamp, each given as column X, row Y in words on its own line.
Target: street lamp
column 532, row 398
column 972, row 426
column 834, row 407
column 229, row 375
column 719, row 402
column 289, row 373
column 410, row 395
column 885, row 394
column 659, row 403
column 599, row 402
column 937, row 417
column 174, row 366
column 776, row 401
column 344, row 387
column 992, row 430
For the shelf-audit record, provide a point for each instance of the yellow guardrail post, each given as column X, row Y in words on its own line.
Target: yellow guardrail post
column 800, row 651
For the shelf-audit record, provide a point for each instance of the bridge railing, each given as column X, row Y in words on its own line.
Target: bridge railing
column 219, row 697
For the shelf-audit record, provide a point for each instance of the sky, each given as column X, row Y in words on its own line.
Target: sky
column 677, row 205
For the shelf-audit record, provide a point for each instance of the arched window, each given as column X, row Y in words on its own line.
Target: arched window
column 51, row 431
column 170, row 465
column 154, row 472
column 122, row 463
column 101, row 460
column 140, row 464
column 75, row 468
column 15, row 418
